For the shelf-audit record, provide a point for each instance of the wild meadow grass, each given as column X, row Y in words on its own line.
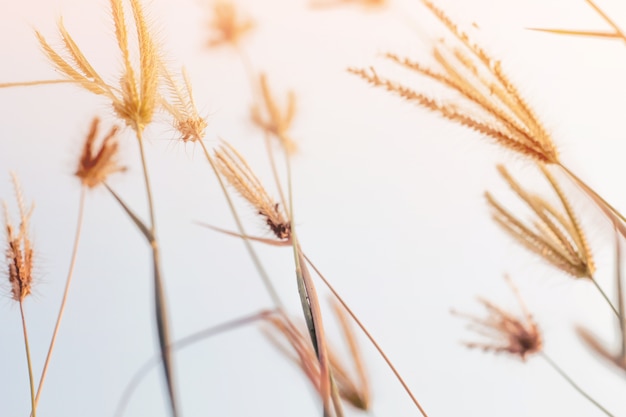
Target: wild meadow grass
column 260, row 208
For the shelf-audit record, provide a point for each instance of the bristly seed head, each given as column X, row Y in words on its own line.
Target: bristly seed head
column 239, row 175
column 94, row 165
column 19, row 252
column 517, row 336
column 227, row 25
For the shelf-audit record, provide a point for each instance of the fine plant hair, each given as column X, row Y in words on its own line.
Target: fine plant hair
column 482, row 97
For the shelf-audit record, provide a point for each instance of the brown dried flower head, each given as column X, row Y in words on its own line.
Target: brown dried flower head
column 239, row 175
column 227, row 25
column 355, row 391
column 488, row 101
column 554, row 235
column 95, row 166
column 181, row 105
column 269, row 117
column 19, row 252
column 518, row 336
column 134, row 101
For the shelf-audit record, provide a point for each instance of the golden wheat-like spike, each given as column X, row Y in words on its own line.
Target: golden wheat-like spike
column 240, row 176
column 121, row 34
column 548, row 249
column 79, row 59
column 148, row 62
column 182, row 107
column 579, row 234
column 537, row 205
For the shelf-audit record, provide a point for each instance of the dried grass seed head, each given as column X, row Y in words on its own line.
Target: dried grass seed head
column 179, row 102
column 19, row 252
column 488, row 101
column 299, row 349
column 269, row 117
column 134, row 101
column 555, row 235
column 239, row 175
column 518, row 336
column 227, row 26
column 96, row 164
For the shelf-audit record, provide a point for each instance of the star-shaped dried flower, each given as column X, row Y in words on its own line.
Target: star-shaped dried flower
column 515, row 335
column 95, row 165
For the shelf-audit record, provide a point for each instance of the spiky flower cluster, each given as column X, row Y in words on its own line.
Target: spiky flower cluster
column 135, row 100
column 517, row 336
column 227, row 26
column 489, row 102
column 95, row 166
column 556, row 236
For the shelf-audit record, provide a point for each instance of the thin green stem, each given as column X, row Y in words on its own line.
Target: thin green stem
column 179, row 345
column 30, row 364
column 267, row 282
column 68, row 280
column 606, row 298
column 573, row 384
column 369, row 336
column 160, row 303
column 146, row 177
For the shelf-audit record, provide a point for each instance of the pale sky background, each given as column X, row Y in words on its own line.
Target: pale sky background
column 388, row 201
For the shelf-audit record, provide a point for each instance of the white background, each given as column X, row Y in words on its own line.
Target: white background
column 389, row 203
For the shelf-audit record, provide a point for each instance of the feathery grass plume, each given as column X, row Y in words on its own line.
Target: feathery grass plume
column 272, row 119
column 19, row 251
column 239, row 175
column 134, row 101
column 95, row 166
column 227, row 25
column 369, row 4
column 617, row 33
column 354, row 391
column 556, row 236
column 488, row 101
column 181, row 105
column 518, row 336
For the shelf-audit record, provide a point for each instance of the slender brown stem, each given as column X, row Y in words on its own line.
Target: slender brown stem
column 68, row 280
column 267, row 282
column 606, row 298
column 573, row 384
column 369, row 336
column 146, row 178
column 29, row 362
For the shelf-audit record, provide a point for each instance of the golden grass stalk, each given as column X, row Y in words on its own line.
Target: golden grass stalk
column 240, row 176
column 616, row 33
column 134, row 101
column 19, row 256
column 352, row 389
column 181, row 105
column 555, row 235
column 95, row 166
column 227, row 26
column 269, row 117
column 488, row 101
